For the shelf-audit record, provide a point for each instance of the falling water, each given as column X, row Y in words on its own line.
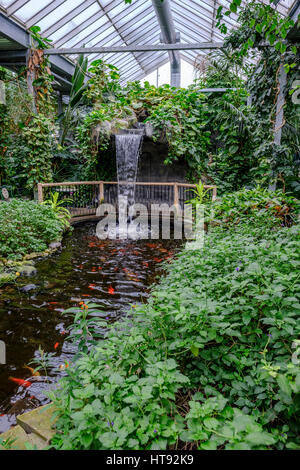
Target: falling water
column 128, row 146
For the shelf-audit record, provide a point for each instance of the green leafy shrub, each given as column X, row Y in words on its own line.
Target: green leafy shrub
column 219, row 328
column 255, row 206
column 26, row 227
column 213, row 425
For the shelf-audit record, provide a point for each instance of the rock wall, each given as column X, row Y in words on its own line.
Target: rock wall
column 152, row 168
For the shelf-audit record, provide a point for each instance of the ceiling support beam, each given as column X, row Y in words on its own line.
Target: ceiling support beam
column 134, row 48
column 165, row 18
column 13, row 31
column 61, row 66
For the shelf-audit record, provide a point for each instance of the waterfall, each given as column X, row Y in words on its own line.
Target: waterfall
column 128, row 145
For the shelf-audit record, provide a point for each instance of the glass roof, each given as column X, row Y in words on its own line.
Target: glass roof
column 76, row 23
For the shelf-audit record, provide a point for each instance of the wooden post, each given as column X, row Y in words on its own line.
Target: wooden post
column 214, row 193
column 176, row 195
column 101, row 192
column 5, row 194
column 40, row 193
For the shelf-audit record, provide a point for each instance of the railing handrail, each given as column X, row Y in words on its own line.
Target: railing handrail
column 101, row 185
column 138, row 183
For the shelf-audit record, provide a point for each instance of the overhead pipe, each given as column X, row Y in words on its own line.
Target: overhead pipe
column 166, row 22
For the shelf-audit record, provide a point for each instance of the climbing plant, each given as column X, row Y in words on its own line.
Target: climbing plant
column 260, row 24
column 27, row 121
column 37, row 163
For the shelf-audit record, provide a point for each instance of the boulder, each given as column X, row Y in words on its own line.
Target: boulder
column 27, row 270
column 29, row 288
column 55, row 245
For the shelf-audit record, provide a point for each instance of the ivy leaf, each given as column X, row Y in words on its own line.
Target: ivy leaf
column 195, row 350
column 284, row 385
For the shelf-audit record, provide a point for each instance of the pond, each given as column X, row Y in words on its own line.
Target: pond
column 115, row 274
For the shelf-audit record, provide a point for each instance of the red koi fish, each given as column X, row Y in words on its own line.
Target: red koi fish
column 157, row 260
column 151, row 245
column 21, row 382
column 111, row 291
column 56, row 346
column 92, row 286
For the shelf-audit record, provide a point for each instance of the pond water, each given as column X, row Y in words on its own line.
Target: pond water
column 113, row 273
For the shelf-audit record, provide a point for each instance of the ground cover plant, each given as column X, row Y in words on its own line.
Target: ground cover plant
column 27, row 227
column 210, row 362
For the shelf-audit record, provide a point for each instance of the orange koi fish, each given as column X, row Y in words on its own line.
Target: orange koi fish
column 151, row 245
column 111, row 291
column 32, row 371
column 21, row 382
column 56, row 346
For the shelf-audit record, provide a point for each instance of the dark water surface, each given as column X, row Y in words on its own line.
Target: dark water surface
column 31, row 311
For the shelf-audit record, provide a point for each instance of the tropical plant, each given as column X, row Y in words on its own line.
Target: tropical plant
column 78, row 89
column 27, row 227
column 56, row 205
column 200, row 195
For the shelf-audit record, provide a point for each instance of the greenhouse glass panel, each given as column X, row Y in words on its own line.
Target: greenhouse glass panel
column 73, row 23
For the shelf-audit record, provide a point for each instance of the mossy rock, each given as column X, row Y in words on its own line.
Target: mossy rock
column 17, row 439
column 27, row 270
column 40, row 422
column 6, row 278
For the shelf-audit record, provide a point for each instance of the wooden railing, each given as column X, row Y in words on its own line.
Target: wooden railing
column 87, row 195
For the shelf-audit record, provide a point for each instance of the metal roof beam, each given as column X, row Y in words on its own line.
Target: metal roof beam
column 134, row 48
column 13, row 31
column 165, row 18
